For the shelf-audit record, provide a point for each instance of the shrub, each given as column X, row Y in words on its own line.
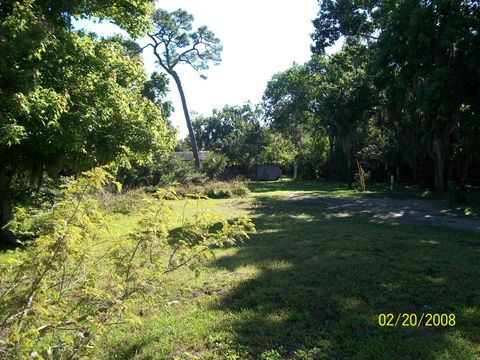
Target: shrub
column 67, row 288
column 217, row 189
column 239, row 188
column 361, row 177
column 214, row 164
column 176, row 170
column 214, row 189
column 161, row 171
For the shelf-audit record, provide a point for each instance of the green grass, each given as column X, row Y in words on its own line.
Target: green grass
column 287, row 187
column 331, row 188
column 308, row 286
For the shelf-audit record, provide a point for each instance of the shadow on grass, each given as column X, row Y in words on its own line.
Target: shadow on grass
column 335, row 188
column 291, row 185
column 323, row 282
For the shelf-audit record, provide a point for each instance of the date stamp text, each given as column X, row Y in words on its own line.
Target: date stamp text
column 416, row 320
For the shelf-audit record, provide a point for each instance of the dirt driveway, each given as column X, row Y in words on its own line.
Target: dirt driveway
column 395, row 211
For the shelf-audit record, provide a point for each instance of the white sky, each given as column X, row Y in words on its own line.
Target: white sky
column 259, row 38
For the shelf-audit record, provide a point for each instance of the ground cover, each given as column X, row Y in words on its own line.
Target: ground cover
column 312, row 286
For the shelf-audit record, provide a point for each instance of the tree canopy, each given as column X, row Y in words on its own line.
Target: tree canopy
column 70, row 99
column 424, row 63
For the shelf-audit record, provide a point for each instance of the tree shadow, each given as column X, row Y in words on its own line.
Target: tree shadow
column 323, row 187
column 381, row 210
column 322, row 282
column 310, row 186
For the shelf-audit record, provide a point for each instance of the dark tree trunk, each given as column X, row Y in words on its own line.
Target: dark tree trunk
column 415, row 165
column 466, row 166
column 439, row 156
column 346, row 141
column 6, row 214
column 331, row 151
column 349, row 169
column 187, row 119
column 297, row 139
column 6, row 236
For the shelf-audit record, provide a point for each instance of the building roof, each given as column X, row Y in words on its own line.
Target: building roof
column 188, row 155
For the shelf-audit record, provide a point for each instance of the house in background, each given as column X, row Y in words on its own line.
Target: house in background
column 188, row 155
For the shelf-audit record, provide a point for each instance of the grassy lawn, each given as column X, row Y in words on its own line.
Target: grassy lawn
column 308, row 286
column 331, row 188
column 374, row 190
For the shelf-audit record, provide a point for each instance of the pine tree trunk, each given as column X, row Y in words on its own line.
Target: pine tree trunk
column 187, row 119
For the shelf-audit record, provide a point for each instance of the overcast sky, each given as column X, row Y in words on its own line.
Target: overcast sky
column 259, row 38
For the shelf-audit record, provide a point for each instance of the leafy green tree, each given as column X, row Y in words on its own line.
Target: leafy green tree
column 48, row 118
column 289, row 98
column 235, row 131
column 424, row 60
column 277, row 151
column 288, row 103
column 173, row 43
column 321, row 105
column 433, row 57
column 155, row 89
column 214, row 164
column 344, row 99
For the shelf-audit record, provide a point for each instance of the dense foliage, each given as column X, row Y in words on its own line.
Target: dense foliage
column 70, row 101
column 401, row 97
column 238, row 134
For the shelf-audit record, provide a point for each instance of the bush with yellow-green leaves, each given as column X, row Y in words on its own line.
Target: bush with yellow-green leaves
column 70, row 284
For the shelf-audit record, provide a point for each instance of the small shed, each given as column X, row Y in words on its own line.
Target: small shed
column 266, row 172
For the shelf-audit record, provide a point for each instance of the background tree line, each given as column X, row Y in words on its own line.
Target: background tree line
column 401, row 97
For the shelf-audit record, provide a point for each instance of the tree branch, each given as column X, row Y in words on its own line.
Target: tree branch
column 142, row 48
column 190, row 258
column 155, row 52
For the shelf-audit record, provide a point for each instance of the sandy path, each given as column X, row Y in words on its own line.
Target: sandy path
column 395, row 211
